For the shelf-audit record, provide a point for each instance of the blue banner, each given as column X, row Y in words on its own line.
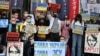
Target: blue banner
column 49, row 49
column 64, row 8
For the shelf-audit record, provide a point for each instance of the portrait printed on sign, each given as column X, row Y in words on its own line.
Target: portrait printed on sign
column 15, row 49
column 92, row 42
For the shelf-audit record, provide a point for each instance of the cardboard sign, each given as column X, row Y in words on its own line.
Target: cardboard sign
column 42, row 30
column 42, row 7
column 15, row 49
column 92, row 27
column 4, row 5
column 49, row 49
column 54, row 7
column 30, row 28
column 78, row 30
column 12, row 36
column 92, row 42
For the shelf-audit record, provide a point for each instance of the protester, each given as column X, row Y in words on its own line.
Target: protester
column 12, row 25
column 2, row 45
column 25, row 29
column 42, row 21
column 25, row 14
column 29, row 47
column 77, row 38
column 55, row 28
column 65, row 27
column 17, row 17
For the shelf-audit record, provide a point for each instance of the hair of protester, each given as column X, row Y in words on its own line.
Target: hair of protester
column 78, row 18
column 29, row 16
column 26, row 11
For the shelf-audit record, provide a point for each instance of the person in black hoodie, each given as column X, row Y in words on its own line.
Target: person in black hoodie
column 29, row 47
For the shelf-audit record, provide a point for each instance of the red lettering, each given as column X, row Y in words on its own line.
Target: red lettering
column 91, row 50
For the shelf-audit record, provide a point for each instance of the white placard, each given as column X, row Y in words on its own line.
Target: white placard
column 15, row 49
column 49, row 48
column 92, row 42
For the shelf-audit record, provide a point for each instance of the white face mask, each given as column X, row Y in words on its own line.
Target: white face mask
column 13, row 22
column 62, row 40
column 28, row 20
column 42, row 16
column 25, row 15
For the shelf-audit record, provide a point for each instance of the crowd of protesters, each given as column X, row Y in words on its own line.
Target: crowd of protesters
column 59, row 30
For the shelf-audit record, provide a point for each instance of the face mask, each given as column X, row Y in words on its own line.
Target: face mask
column 62, row 40
column 55, row 16
column 29, row 21
column 32, row 41
column 13, row 22
column 25, row 15
column 42, row 16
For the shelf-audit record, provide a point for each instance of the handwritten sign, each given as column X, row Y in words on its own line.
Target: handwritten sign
column 42, row 30
column 4, row 5
column 49, row 48
column 92, row 27
column 30, row 28
column 78, row 30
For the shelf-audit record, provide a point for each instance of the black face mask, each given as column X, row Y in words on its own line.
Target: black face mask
column 55, row 16
column 3, row 14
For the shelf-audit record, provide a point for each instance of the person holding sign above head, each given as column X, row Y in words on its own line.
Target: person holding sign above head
column 55, row 28
column 77, row 31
